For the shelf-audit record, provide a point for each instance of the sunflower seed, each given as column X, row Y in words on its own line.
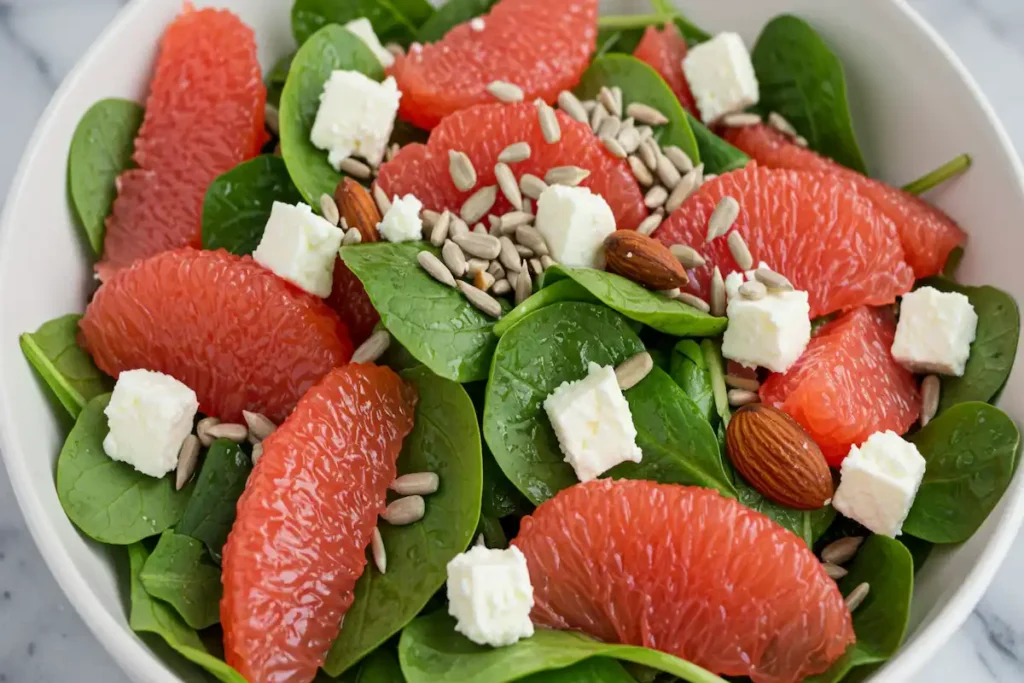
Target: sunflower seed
column 507, row 182
column 535, row 266
column 231, row 431
column 404, row 511
column 667, row 173
column 740, row 119
column 694, row 301
column 609, row 127
column 480, row 229
column 842, row 551
column 527, row 205
column 588, row 106
column 646, row 114
column 257, row 453
column 252, row 439
column 648, row 154
column 501, row 287
column 629, row 139
column 779, row 123
column 645, row 132
column 617, row 92
column 514, row 153
column 682, row 191
column 546, row 261
column 613, row 146
column 834, row 571
column 329, row 209
column 744, row 383
column 688, row 256
column 484, row 279
column 460, row 168
column 480, row 299
column 203, row 430
column 381, row 197
column 549, row 127
column 640, row 171
column 261, row 426
column 930, row 388
column 717, row 293
column 857, row 596
column 753, row 290
column 524, row 287
column 772, row 280
column 571, row 105
column 380, row 557
column 429, row 217
column 439, row 233
column 496, row 269
column 188, row 458
column 597, row 117
column 482, row 246
column 512, row 219
column 566, row 175
column 629, row 373
column 416, row 484
column 435, row 268
column 509, row 256
column 504, row 91
column 742, row 397
column 524, row 252
column 475, row 265
column 457, row 227
column 650, row 224
column 722, row 218
column 478, row 204
column 351, row 237
column 670, row 293
column 740, row 251
column 680, row 159
column 395, row 49
column 355, row 168
column 607, row 99
column 392, row 151
column 493, row 221
column 532, row 239
column 531, row 185
column 370, row 350
column 655, row 197
column 801, row 141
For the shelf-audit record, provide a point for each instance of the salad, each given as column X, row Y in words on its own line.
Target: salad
column 506, row 341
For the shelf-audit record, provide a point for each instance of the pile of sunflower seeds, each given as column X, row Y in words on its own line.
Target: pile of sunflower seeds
column 775, row 120
column 209, row 429
column 834, row 556
column 402, row 511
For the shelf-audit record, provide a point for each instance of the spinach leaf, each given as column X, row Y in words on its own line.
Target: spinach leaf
column 971, row 451
column 807, row 524
column 615, row 40
column 803, row 80
column 690, row 371
column 380, row 666
column 237, row 203
column 329, row 49
column 993, row 349
column 101, row 149
column 553, row 292
column 712, row 351
column 952, row 263
column 449, row 15
column 694, row 34
column 388, row 20
column 919, row 550
column 636, row 303
column 111, row 501
column 445, row 440
column 152, row 616
column 718, row 155
column 932, row 179
column 433, row 322
column 490, row 528
column 881, row 621
column 211, row 509
column 66, row 367
column 431, row 651
column 593, row 670
column 641, row 83
column 178, row 573
column 276, row 77
column 500, row 497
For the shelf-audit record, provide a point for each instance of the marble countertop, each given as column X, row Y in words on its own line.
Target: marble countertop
column 42, row 639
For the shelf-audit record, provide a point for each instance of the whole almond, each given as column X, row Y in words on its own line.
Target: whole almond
column 779, row 459
column 358, row 209
column 643, row 260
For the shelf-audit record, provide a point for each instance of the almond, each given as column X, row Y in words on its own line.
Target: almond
column 357, row 207
column 643, row 260
column 778, row 458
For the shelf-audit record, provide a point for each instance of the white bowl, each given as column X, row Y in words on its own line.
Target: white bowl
column 914, row 106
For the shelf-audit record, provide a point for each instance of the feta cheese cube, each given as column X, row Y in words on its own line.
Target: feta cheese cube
column 593, row 424
column 575, row 222
column 402, row 222
column 878, row 482
column 771, row 332
column 490, row 595
column 300, row 247
column 355, row 117
column 364, row 31
column 935, row 332
column 721, row 76
column 149, row 416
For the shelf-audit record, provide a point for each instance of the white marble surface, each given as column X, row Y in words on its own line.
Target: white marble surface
column 41, row 637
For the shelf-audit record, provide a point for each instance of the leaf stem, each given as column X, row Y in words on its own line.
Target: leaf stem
column 628, row 21
column 933, row 179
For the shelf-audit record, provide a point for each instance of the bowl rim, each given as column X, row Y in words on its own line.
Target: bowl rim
column 137, row 660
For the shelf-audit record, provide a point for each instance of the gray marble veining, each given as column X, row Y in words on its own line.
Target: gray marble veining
column 41, row 637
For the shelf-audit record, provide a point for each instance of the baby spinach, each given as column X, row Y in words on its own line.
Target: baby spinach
column 690, row 371
column 66, row 367
column 718, row 155
column 111, row 501
column 431, row 651
column 881, row 621
column 553, row 292
column 803, row 80
column 148, row 615
column 932, row 179
column 807, row 524
column 593, row 670
column 641, row 83
column 636, row 303
column 492, row 531
column 449, row 15
column 276, row 77
column 238, row 203
column 211, row 508
column 712, row 351
column 433, row 322
column 613, row 40
column 392, row 20
column 971, row 451
column 500, row 497
column 101, row 149
column 380, row 666
column 179, row 574
column 329, row 49
column 445, row 440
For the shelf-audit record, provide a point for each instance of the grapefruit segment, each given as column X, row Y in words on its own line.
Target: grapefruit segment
column 308, row 512
column 846, row 385
column 683, row 570
column 482, row 132
column 238, row 335
column 542, row 46
column 664, row 50
column 352, row 304
column 811, row 227
column 927, row 234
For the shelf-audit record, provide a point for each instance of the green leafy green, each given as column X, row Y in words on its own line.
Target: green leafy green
column 111, row 501
column 276, row 77
column 641, row 83
column 712, row 351
column 433, row 322
column 881, row 620
column 449, row 15
column 329, row 49
column 66, row 367
column 971, row 451
column 380, row 666
column 101, row 149
column 500, row 497
column 636, row 303
column 952, row 263
column 593, row 670
column 179, row 574
column 148, row 615
column 553, row 292
column 490, row 528
column 392, row 20
column 690, row 371
column 613, row 40
column 807, row 524
column 718, row 155
column 211, row 508
column 932, row 179
column 238, row 203
column 445, row 440
column 432, row 652
column 803, row 80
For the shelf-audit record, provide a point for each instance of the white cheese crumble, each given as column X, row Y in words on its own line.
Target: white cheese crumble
column 721, row 76
column 402, row 222
column 300, row 247
column 574, row 222
column 771, row 332
column 935, row 332
column 490, row 595
column 355, row 117
column 364, row 31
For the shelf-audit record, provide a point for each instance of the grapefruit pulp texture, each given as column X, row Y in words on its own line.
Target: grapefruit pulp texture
column 204, row 116
column 307, row 514
column 664, row 50
column 811, row 227
column 542, row 46
column 482, row 132
column 238, row 335
column 846, row 385
column 927, row 234
column 686, row 571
